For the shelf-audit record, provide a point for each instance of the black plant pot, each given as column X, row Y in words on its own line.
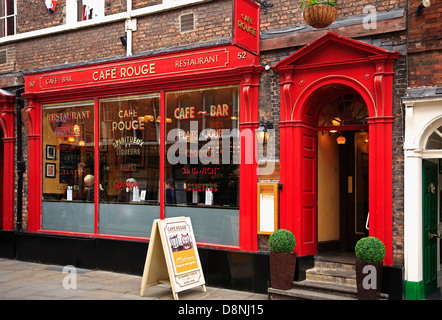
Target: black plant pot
column 368, row 280
column 282, row 270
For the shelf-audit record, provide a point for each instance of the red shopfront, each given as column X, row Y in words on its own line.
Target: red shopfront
column 113, row 146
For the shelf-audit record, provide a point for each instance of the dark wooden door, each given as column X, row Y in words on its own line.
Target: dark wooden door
column 429, row 225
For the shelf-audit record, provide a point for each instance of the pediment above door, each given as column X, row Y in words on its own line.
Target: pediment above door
column 332, row 50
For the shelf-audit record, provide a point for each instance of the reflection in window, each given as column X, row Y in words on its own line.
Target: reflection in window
column 68, row 158
column 201, row 170
column 435, row 140
column 129, row 164
column 202, row 161
column 89, row 9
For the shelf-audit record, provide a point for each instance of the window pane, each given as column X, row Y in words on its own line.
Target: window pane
column 202, row 160
column 10, row 7
column 68, row 158
column 435, row 140
column 2, row 27
column 129, row 164
column 89, row 9
column 2, row 8
column 349, row 109
column 11, row 26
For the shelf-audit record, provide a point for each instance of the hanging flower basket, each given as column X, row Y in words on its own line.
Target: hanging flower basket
column 319, row 15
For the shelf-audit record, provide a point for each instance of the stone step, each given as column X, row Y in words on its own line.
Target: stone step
column 325, row 264
column 347, row 277
column 317, row 290
column 297, row 293
column 344, row 290
column 333, row 277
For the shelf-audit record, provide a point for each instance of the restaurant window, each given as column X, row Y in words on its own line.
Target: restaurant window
column 202, row 161
column 129, row 164
column 68, row 157
column 110, row 164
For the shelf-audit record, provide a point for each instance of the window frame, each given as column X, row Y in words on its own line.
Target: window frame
column 163, row 135
column 6, row 17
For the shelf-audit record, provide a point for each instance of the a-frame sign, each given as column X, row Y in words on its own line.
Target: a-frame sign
column 172, row 257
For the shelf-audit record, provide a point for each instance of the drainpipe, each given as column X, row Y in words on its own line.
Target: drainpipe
column 21, row 167
column 130, row 26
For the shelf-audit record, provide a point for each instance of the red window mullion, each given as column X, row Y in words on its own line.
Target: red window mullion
column 162, row 151
column 96, row 163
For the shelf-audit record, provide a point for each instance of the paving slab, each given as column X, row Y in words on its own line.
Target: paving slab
column 21, row 280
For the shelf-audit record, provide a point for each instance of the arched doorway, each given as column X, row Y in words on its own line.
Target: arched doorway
column 322, row 71
column 343, row 162
column 423, row 198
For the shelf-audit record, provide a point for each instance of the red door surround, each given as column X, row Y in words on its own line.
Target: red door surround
column 328, row 62
column 8, row 128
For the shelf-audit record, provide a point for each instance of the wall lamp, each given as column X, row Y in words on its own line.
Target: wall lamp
column 264, row 5
column 424, row 4
column 123, row 40
column 261, row 132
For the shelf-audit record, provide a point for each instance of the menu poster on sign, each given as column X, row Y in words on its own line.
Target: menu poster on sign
column 179, row 254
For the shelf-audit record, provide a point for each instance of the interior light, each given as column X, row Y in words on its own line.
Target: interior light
column 341, row 140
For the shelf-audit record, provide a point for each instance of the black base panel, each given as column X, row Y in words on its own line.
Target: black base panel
column 238, row 270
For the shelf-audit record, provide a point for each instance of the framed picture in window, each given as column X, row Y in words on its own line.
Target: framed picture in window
column 50, row 170
column 51, row 152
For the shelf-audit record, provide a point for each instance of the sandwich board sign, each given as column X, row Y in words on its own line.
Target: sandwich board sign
column 172, row 257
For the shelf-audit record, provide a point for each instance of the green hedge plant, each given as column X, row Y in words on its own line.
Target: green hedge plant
column 306, row 3
column 282, row 240
column 370, row 249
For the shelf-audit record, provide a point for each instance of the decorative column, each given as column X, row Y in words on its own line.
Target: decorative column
column 286, row 163
column 34, row 165
column 248, row 178
column 7, row 124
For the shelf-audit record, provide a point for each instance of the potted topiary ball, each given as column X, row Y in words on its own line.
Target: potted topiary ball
column 282, row 242
column 370, row 251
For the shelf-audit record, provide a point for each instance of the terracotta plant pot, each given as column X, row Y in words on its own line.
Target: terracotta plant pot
column 320, row 15
column 367, row 289
column 282, row 270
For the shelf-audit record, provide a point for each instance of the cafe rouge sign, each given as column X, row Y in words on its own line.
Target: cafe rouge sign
column 209, row 59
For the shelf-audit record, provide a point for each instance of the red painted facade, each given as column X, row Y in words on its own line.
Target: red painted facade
column 8, row 127
column 359, row 68
column 212, row 67
column 329, row 60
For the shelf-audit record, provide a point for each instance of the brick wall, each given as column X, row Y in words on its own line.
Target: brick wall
column 287, row 13
column 154, row 32
column 114, row 6
column 70, row 47
column 33, row 15
column 399, row 88
column 136, row 4
column 213, row 22
column 425, row 45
